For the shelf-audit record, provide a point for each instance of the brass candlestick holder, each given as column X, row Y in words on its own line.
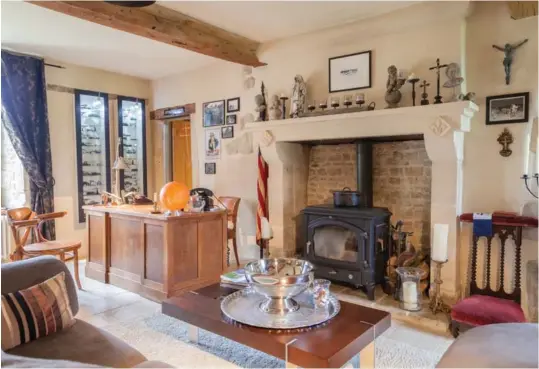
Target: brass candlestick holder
column 436, row 302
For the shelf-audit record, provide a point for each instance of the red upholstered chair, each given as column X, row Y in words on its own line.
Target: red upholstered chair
column 486, row 305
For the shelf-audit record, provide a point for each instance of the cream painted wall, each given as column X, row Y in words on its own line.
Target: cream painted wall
column 61, row 109
column 492, row 182
column 435, row 31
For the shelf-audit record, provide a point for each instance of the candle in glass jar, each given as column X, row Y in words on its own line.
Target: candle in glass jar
column 439, row 242
column 409, row 295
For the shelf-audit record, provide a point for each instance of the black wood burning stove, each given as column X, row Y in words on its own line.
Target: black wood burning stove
column 347, row 244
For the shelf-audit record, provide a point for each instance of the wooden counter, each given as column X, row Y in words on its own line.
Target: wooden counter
column 154, row 255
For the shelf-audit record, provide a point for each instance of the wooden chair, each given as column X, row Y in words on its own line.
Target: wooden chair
column 488, row 305
column 23, row 221
column 232, row 205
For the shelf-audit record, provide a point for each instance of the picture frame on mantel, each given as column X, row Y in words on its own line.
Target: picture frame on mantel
column 350, row 72
column 510, row 108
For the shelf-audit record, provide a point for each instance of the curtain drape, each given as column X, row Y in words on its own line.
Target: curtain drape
column 25, row 119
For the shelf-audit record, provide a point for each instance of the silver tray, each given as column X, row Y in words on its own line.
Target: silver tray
column 242, row 306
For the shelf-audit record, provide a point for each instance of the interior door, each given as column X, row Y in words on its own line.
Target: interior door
column 181, row 152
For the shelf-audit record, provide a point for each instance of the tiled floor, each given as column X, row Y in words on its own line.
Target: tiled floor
column 106, row 306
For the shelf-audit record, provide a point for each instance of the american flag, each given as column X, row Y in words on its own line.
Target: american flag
column 262, row 193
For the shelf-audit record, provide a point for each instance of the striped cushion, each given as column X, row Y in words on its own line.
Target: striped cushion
column 35, row 312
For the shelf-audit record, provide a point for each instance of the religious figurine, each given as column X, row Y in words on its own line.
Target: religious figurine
column 393, row 85
column 453, row 79
column 438, row 66
column 470, row 96
column 261, row 107
column 508, row 51
column 505, row 139
column 274, row 108
column 299, row 93
column 424, row 95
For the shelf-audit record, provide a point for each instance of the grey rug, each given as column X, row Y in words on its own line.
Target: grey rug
column 164, row 338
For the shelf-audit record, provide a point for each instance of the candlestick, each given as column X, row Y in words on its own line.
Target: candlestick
column 436, row 302
column 439, row 242
column 283, row 106
column 413, row 80
column 527, row 142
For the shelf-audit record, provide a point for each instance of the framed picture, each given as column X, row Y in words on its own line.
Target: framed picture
column 231, row 119
column 350, row 72
column 512, row 108
column 213, row 113
column 210, row 168
column 233, row 105
column 212, row 143
column 227, row 132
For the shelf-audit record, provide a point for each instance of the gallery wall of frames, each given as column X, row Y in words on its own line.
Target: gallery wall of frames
column 94, row 170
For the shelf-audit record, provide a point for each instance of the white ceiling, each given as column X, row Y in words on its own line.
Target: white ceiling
column 265, row 21
column 32, row 29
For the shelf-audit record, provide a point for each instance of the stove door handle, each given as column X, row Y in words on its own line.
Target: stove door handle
column 309, row 247
column 333, row 272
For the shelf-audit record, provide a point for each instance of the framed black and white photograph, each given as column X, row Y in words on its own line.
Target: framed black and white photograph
column 210, row 168
column 350, row 72
column 512, row 108
column 227, row 132
column 213, row 113
column 233, row 105
column 231, row 119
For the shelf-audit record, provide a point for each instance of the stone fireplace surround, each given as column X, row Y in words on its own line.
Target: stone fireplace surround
column 443, row 127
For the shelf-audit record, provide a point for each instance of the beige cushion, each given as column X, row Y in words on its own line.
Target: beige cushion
column 84, row 343
column 35, row 312
column 509, row 345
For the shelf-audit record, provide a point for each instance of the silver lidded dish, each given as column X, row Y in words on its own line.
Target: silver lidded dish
column 279, row 280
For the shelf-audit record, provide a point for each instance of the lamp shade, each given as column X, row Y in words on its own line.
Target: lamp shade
column 120, row 163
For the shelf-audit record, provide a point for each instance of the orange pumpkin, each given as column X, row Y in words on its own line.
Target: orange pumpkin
column 174, row 196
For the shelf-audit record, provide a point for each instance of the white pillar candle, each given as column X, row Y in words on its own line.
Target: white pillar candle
column 155, row 197
column 266, row 229
column 409, row 295
column 439, row 242
column 526, row 146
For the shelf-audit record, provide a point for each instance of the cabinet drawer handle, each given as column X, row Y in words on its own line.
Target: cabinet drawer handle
column 332, row 272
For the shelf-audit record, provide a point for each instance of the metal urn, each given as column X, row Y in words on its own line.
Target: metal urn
column 279, row 280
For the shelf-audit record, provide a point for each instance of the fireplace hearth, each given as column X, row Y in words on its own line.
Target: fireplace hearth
column 349, row 245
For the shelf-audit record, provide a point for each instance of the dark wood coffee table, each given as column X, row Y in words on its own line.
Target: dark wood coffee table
column 347, row 338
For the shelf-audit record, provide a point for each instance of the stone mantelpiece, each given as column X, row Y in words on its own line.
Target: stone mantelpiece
column 443, row 127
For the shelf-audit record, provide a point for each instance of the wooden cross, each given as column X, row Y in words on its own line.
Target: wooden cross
column 438, row 98
column 424, row 95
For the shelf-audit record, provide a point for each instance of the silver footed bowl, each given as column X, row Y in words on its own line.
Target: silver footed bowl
column 279, row 280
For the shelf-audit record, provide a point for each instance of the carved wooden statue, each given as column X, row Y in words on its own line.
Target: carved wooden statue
column 508, row 51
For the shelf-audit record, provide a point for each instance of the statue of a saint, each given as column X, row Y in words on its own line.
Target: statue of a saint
column 299, row 94
column 260, row 107
column 393, row 85
column 274, row 108
column 508, row 51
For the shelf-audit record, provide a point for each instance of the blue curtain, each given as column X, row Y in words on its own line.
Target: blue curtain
column 25, row 119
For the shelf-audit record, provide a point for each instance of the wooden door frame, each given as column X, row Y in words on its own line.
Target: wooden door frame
column 169, row 114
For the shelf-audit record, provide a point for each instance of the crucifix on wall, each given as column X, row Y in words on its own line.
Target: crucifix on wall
column 508, row 51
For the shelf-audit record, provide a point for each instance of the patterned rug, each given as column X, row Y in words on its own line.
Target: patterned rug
column 160, row 337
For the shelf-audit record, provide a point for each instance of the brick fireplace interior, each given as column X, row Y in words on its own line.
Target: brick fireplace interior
column 401, row 178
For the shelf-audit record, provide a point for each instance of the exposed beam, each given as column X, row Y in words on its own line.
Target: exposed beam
column 164, row 25
column 522, row 9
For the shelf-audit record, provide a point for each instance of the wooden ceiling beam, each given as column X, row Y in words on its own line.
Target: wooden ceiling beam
column 522, row 9
column 164, row 25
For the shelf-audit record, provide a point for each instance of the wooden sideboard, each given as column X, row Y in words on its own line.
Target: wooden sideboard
column 154, row 255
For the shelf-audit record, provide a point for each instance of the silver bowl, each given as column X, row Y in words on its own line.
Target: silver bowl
column 279, row 280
